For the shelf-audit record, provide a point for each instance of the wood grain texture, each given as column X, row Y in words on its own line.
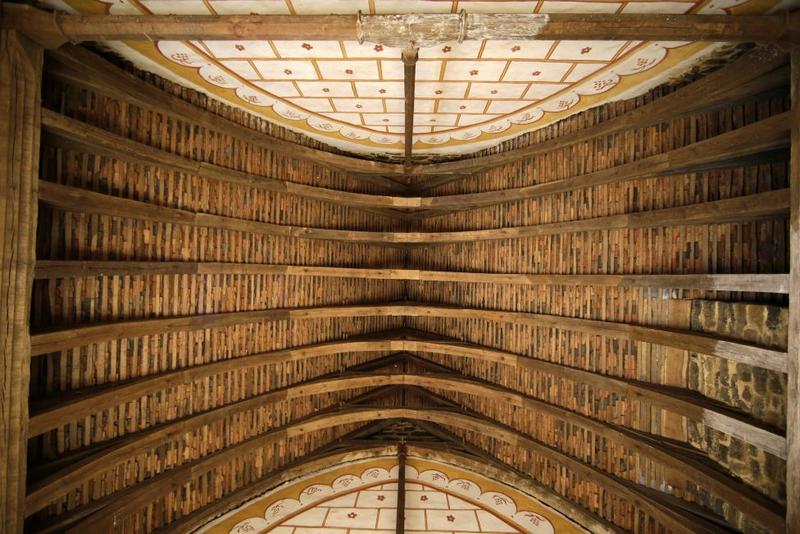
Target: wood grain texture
column 20, row 82
column 766, row 283
column 793, row 393
column 738, row 494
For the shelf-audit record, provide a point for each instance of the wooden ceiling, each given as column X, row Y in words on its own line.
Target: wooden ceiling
column 598, row 314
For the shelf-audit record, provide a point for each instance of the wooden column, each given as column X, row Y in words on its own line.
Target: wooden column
column 793, row 399
column 400, row 525
column 20, row 94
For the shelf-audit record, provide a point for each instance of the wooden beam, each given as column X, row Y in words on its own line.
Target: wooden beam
column 734, row 350
column 99, row 141
column 755, row 72
column 400, row 516
column 771, row 204
column 722, row 150
column 793, row 392
column 118, row 508
column 20, row 95
column 77, row 473
column 51, row 414
column 410, row 55
column 54, row 30
column 757, row 283
column 85, row 69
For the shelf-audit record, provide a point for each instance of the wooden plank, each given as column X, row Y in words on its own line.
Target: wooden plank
column 20, row 93
column 51, row 415
column 755, row 72
column 793, row 392
column 766, row 205
column 89, row 70
column 765, row 135
column 48, row 342
column 99, row 141
column 144, row 492
column 758, row 283
column 395, row 30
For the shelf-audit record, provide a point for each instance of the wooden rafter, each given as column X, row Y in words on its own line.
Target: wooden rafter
column 767, row 205
column 719, row 151
column 410, row 56
column 47, row 342
column 138, row 495
column 81, row 471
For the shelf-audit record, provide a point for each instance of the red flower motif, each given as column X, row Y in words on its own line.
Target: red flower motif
column 378, row 48
column 536, row 73
column 287, row 71
column 359, row 106
column 451, row 518
column 586, row 50
column 352, row 515
column 326, row 90
column 516, row 48
column 425, row 497
column 382, row 91
column 381, row 497
column 462, row 107
column 494, row 91
column 438, row 91
column 473, row 72
column 385, row 120
column 307, row 46
column 239, row 47
column 446, row 49
column 349, row 71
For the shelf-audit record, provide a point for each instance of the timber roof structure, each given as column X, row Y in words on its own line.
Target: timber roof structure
column 380, row 267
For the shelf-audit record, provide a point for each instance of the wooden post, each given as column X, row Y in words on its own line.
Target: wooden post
column 410, row 55
column 20, row 94
column 400, row 525
column 793, row 398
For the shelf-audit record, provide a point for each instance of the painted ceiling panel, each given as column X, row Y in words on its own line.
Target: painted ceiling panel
column 469, row 95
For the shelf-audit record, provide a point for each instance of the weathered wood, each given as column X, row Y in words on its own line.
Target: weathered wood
column 410, row 56
column 759, row 283
column 100, row 141
column 793, row 393
column 753, row 73
column 20, row 90
column 86, row 69
column 52, row 414
column 400, row 516
column 47, row 342
column 140, row 494
column 762, row 136
column 396, row 30
column 739, row 209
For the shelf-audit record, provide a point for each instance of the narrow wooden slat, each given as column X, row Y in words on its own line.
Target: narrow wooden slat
column 144, row 492
column 739, row 209
column 47, row 342
column 50, row 415
column 760, row 283
column 762, row 136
